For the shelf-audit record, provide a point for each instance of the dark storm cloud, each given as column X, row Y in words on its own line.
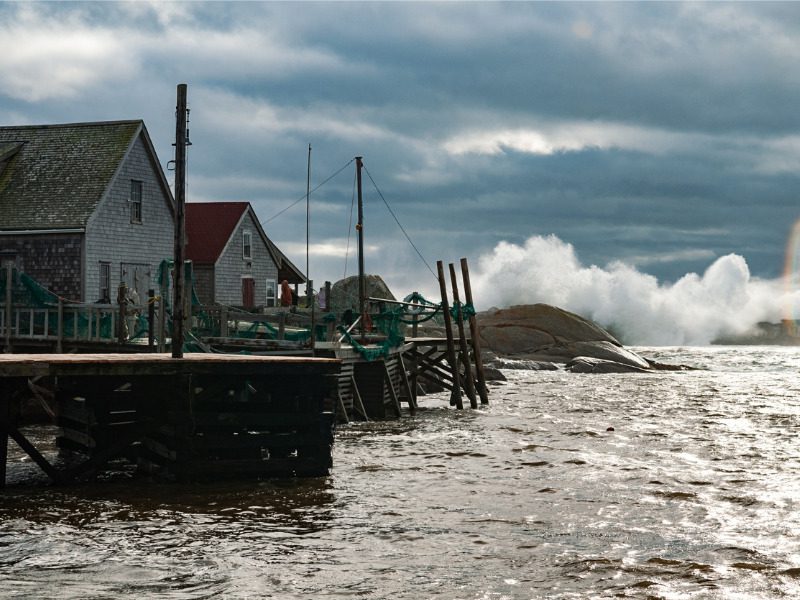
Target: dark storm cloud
column 662, row 134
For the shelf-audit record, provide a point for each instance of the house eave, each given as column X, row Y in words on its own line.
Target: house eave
column 9, row 232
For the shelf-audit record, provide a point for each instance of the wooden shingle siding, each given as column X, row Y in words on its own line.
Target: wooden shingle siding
column 231, row 266
column 53, row 260
column 110, row 235
column 204, row 283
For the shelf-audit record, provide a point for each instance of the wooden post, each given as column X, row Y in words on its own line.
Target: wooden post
column 3, row 455
column 328, row 296
column 310, row 296
column 5, row 422
column 331, row 333
column 151, row 319
column 60, row 327
column 455, row 396
column 180, row 223
column 162, row 311
column 462, row 342
column 281, row 325
column 223, row 322
column 414, row 382
column 9, row 281
column 122, row 291
column 188, row 278
column 475, row 335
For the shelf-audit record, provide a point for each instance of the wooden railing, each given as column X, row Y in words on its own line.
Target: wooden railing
column 64, row 323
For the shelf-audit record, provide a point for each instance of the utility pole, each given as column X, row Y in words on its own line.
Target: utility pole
column 180, row 223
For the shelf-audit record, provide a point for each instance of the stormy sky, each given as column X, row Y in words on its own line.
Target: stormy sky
column 653, row 137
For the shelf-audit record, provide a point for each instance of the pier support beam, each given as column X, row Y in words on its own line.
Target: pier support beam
column 474, row 335
column 469, row 382
column 455, row 396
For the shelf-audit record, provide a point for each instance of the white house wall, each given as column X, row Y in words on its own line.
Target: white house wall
column 231, row 267
column 111, row 236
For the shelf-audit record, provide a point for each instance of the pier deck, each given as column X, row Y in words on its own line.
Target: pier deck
column 204, row 415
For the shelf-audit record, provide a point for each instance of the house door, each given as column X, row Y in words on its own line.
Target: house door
column 248, row 292
column 137, row 277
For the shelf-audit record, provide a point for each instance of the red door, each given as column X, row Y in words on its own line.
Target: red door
column 248, row 292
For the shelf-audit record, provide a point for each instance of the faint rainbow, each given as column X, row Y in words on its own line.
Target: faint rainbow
column 791, row 281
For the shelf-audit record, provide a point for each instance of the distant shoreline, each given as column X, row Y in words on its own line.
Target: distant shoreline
column 764, row 334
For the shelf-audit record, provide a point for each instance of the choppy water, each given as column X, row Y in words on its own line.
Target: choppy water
column 692, row 495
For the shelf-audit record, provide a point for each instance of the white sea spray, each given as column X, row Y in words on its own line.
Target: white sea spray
column 696, row 309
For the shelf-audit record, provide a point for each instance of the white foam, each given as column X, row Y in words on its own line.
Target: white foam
column 694, row 310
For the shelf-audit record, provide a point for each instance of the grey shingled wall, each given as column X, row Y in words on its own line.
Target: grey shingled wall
column 231, row 267
column 112, row 237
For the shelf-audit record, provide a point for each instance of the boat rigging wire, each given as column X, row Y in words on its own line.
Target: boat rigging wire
column 349, row 226
column 304, row 196
column 396, row 220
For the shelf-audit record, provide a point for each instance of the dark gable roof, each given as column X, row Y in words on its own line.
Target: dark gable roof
column 59, row 173
column 209, row 226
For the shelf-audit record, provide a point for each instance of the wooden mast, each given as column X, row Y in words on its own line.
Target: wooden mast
column 362, row 287
column 180, row 223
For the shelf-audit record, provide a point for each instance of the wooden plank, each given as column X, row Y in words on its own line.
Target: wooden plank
column 412, row 397
column 392, row 392
column 359, row 404
column 31, row 451
column 251, row 421
column 213, row 441
column 222, row 469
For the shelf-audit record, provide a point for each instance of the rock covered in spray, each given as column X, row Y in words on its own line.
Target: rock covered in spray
column 541, row 332
column 587, row 364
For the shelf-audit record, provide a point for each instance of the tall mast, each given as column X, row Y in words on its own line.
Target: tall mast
column 308, row 226
column 180, row 222
column 362, row 288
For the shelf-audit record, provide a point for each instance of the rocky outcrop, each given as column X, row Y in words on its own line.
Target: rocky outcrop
column 541, row 332
column 586, row 364
column 344, row 293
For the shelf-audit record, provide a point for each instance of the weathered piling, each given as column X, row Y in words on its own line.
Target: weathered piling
column 455, row 394
column 469, row 382
column 8, row 312
column 474, row 335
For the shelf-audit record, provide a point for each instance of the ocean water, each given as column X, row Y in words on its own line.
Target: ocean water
column 667, row 485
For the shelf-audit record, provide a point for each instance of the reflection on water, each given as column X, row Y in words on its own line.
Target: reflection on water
column 674, row 485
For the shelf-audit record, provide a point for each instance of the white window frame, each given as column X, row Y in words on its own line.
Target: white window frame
column 272, row 286
column 135, row 200
column 105, row 274
column 247, row 245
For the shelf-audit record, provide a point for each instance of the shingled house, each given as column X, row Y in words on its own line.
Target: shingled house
column 234, row 262
column 84, row 206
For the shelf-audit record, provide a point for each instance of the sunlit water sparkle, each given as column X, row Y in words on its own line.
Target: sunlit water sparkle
column 691, row 495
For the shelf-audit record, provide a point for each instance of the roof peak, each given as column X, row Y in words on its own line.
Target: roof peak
column 80, row 124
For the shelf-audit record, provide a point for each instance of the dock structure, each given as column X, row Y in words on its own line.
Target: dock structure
column 197, row 417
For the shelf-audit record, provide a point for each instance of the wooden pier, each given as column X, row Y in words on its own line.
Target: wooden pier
column 200, row 416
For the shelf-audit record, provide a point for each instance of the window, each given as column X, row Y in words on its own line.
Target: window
column 272, row 292
column 247, row 245
column 105, row 282
column 136, row 201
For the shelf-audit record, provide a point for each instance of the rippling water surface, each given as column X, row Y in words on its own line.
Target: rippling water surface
column 691, row 495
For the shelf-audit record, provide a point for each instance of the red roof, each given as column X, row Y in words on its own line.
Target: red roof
column 209, row 226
